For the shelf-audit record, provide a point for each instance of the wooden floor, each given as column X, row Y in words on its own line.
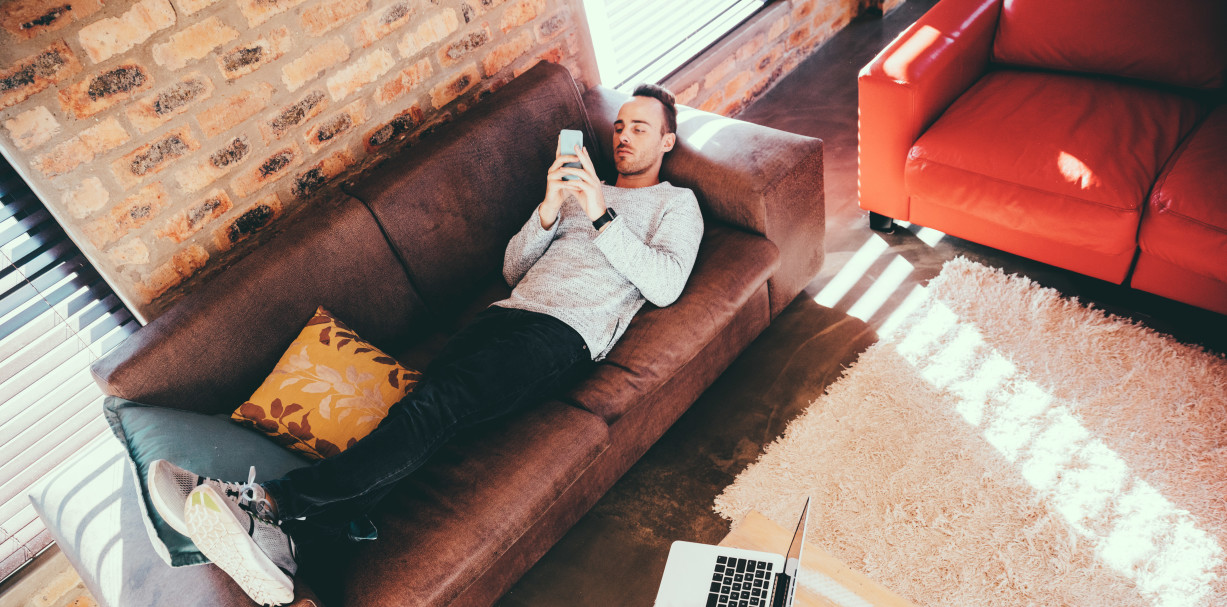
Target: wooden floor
column 614, row 556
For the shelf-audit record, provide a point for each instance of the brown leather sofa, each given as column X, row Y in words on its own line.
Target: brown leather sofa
column 406, row 257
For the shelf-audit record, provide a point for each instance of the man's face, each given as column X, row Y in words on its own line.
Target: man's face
column 639, row 144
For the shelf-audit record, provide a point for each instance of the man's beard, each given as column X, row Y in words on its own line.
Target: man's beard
column 632, row 165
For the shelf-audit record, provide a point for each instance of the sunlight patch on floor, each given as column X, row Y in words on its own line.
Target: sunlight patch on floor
column 882, row 288
column 930, row 236
column 1134, row 528
column 851, row 272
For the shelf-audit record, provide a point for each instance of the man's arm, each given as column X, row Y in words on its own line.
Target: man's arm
column 527, row 246
column 535, row 236
column 659, row 268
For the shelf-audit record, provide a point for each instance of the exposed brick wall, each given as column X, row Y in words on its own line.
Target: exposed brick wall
column 169, row 135
column 746, row 64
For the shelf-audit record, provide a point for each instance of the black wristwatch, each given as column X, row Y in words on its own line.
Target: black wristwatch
column 604, row 219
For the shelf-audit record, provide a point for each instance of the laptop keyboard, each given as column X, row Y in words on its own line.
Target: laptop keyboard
column 739, row 583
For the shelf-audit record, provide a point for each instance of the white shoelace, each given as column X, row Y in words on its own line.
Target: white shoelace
column 253, row 496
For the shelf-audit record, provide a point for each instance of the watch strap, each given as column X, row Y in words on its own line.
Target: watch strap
column 607, row 217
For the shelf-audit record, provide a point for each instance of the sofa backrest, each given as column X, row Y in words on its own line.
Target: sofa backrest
column 211, row 350
column 450, row 204
column 1178, row 42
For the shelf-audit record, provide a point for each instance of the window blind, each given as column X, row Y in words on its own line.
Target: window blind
column 647, row 40
column 57, row 316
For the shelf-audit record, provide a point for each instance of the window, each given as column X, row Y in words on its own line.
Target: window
column 57, row 316
column 647, row 40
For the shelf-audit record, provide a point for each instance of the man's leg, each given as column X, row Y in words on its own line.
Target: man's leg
column 504, row 360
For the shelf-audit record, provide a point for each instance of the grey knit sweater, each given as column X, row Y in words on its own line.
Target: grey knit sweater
column 595, row 282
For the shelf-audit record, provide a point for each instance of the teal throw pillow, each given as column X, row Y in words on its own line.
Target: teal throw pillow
column 210, row 445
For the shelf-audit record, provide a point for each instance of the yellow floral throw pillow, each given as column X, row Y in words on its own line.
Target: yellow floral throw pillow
column 330, row 389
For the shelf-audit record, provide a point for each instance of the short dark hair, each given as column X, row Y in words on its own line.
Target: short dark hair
column 665, row 98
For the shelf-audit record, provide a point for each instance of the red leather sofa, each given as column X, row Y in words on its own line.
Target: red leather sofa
column 1089, row 135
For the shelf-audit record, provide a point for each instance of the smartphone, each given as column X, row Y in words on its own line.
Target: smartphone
column 567, row 142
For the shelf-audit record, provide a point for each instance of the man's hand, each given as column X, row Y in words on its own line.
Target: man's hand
column 555, row 189
column 587, row 188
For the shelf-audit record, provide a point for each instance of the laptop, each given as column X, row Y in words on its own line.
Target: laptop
column 702, row 575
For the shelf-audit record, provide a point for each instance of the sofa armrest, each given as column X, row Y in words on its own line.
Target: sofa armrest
column 212, row 349
column 759, row 179
column 909, row 84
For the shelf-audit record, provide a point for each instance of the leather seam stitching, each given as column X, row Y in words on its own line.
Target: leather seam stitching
column 1163, row 177
column 1195, row 221
column 1027, row 187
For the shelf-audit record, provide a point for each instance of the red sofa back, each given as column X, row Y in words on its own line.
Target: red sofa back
column 1179, row 42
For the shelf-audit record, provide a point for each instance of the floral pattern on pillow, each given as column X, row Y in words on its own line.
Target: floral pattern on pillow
column 330, row 389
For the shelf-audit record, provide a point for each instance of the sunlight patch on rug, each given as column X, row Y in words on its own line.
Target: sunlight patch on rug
column 1002, row 445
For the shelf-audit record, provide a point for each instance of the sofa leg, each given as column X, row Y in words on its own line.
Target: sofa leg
column 881, row 223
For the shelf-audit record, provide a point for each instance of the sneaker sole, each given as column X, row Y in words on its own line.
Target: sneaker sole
column 223, row 538
column 166, row 497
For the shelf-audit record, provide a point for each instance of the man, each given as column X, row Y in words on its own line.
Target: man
column 580, row 267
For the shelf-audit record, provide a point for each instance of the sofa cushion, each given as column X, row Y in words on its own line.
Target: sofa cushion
column 1179, row 42
column 441, row 528
column 449, row 208
column 210, row 445
column 1069, row 157
column 330, row 388
column 732, row 265
column 1185, row 222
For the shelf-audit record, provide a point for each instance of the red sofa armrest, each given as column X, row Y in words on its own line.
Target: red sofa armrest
column 909, row 84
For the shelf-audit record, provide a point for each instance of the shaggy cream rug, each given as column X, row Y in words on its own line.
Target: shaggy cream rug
column 1004, row 446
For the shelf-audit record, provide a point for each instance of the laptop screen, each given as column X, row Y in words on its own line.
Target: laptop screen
column 798, row 540
column 787, row 594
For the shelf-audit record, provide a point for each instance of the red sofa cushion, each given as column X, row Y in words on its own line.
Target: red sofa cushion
column 1178, row 42
column 1069, row 157
column 1185, row 222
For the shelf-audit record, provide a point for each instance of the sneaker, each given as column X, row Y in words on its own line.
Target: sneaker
column 251, row 549
column 169, row 486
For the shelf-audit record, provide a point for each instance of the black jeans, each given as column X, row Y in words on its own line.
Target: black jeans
column 504, row 360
